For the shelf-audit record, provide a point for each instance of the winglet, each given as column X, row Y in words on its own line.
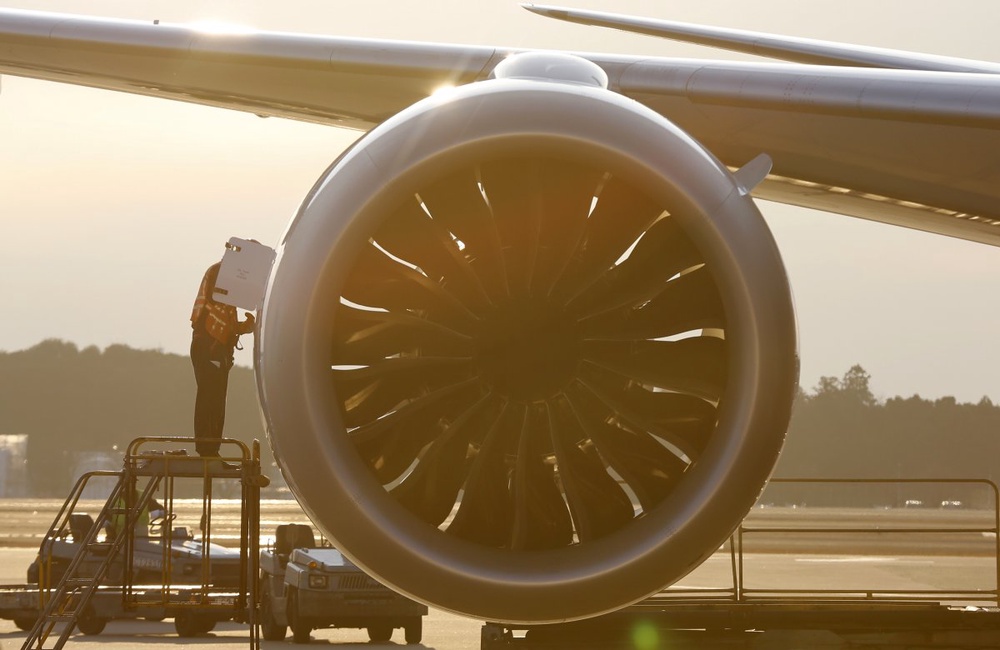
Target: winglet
column 785, row 48
column 751, row 174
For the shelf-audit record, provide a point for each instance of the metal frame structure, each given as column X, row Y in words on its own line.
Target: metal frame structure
column 152, row 463
column 791, row 618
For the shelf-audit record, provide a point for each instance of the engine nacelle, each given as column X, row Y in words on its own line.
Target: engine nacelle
column 528, row 352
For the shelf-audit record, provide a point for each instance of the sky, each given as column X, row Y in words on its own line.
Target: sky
column 112, row 205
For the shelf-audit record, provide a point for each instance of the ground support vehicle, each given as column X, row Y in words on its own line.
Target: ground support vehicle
column 20, row 603
column 153, row 549
column 306, row 588
column 163, row 557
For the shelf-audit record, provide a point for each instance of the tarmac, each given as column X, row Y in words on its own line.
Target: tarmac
column 799, row 567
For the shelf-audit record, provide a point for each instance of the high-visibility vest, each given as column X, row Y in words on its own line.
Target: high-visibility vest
column 217, row 319
column 118, row 519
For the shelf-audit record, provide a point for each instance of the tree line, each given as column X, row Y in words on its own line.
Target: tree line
column 840, row 430
column 70, row 400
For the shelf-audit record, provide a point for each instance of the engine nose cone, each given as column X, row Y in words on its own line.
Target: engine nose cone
column 528, row 350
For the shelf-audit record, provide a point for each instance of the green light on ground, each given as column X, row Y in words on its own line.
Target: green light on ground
column 645, row 637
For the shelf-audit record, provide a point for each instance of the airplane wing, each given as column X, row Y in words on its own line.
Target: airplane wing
column 785, row 48
column 915, row 147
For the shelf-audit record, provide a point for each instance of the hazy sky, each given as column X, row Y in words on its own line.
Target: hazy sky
column 111, row 206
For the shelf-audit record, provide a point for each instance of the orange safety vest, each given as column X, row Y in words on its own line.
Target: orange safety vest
column 218, row 320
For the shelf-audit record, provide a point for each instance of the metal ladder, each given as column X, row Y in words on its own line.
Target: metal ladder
column 69, row 601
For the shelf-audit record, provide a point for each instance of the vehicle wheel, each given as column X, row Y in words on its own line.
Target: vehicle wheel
column 414, row 630
column 188, row 625
column 25, row 623
column 300, row 629
column 380, row 633
column 91, row 625
column 269, row 627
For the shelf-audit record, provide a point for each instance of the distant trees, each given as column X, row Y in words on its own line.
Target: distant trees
column 840, row 430
column 69, row 401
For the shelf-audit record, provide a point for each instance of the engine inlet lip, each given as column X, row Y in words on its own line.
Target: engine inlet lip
column 402, row 540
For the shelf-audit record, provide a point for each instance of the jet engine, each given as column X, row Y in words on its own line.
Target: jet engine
column 528, row 351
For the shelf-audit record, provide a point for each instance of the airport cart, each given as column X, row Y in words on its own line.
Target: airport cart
column 306, row 588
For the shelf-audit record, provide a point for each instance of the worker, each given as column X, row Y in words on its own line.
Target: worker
column 152, row 510
column 215, row 335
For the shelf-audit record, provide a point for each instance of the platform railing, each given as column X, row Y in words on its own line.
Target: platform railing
column 741, row 590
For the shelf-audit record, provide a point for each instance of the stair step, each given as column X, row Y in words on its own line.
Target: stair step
column 79, row 582
column 61, row 618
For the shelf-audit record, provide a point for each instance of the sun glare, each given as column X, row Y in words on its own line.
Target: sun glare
column 442, row 90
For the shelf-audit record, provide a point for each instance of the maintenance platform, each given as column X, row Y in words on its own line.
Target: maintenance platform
column 91, row 570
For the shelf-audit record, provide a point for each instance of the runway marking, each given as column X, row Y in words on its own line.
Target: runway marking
column 830, row 560
column 858, row 560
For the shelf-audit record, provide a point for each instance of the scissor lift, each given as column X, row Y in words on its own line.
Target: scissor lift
column 199, row 599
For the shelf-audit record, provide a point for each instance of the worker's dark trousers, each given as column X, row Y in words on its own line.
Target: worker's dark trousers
column 212, row 378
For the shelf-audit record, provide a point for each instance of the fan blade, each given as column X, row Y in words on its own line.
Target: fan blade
column 391, row 443
column 370, row 392
column 457, row 202
column 514, row 192
column 485, row 513
column 695, row 365
column 598, row 504
column 686, row 303
column 662, row 252
column 365, row 401
column 431, row 490
column 684, row 416
column 540, row 516
column 402, row 368
column 412, row 235
column 620, row 217
column 378, row 281
column 568, row 193
column 649, row 469
column 640, row 422
column 366, row 337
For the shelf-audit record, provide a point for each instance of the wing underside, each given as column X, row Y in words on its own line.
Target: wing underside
column 913, row 148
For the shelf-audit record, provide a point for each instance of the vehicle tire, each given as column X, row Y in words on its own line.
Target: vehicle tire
column 188, row 624
column 91, row 625
column 25, row 623
column 414, row 630
column 380, row 633
column 300, row 628
column 269, row 627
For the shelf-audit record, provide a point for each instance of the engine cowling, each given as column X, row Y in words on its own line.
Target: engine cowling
column 528, row 352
